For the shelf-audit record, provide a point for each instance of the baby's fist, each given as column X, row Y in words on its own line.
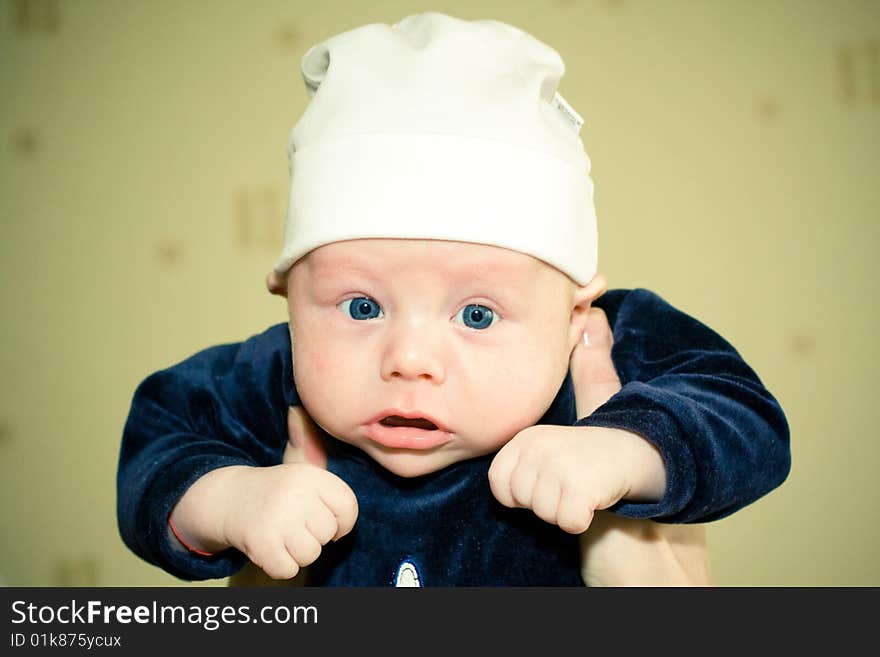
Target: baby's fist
column 286, row 513
column 560, row 473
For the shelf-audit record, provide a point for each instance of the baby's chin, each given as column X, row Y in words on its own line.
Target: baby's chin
column 414, row 463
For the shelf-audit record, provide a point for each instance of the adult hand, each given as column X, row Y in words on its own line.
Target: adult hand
column 303, row 440
column 619, row 551
column 303, row 447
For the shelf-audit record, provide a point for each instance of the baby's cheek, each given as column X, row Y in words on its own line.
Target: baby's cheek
column 310, row 357
column 312, row 368
column 518, row 401
column 534, row 384
column 331, row 384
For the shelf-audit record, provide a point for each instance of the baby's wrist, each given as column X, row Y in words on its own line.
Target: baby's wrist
column 183, row 542
column 646, row 474
column 198, row 521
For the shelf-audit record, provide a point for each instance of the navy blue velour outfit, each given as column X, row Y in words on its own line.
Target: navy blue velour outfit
column 723, row 436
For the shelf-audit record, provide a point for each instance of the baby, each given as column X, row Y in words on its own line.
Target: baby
column 440, row 268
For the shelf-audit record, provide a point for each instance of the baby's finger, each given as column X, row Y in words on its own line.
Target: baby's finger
column 522, row 484
column 274, row 560
column 592, row 370
column 545, row 499
column 340, row 500
column 575, row 513
column 304, row 548
column 322, row 524
column 500, row 472
column 304, row 443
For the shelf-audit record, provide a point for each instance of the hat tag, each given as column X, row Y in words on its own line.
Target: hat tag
column 567, row 111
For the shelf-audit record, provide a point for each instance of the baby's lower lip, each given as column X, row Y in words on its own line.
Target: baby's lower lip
column 406, row 437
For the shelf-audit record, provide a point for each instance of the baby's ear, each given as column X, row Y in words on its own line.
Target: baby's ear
column 584, row 296
column 276, row 284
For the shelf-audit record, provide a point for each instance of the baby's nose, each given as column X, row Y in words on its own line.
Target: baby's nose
column 413, row 355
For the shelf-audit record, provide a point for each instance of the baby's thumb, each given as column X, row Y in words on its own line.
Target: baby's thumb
column 592, row 370
column 303, row 441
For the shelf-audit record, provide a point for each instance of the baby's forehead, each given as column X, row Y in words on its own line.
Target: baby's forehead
column 396, row 256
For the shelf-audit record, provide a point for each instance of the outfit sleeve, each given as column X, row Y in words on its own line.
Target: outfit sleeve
column 724, row 438
column 226, row 405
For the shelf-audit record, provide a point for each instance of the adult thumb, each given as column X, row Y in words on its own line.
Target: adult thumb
column 304, row 443
column 592, row 370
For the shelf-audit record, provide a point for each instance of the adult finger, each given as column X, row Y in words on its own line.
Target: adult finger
column 304, row 443
column 592, row 370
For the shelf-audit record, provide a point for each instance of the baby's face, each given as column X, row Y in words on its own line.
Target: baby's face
column 423, row 352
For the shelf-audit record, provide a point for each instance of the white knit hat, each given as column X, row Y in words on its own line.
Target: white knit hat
column 440, row 128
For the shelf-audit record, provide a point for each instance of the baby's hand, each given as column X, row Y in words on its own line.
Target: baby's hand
column 282, row 516
column 565, row 474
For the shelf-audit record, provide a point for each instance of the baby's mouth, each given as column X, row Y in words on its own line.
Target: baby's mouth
column 415, row 422
column 410, row 433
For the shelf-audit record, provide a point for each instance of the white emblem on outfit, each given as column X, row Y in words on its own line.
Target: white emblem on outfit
column 407, row 575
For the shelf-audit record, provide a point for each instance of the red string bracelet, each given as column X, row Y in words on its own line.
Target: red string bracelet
column 184, row 543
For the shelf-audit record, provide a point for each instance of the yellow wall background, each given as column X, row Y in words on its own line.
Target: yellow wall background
column 143, row 176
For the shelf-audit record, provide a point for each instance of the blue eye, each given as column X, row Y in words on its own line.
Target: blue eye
column 361, row 308
column 476, row 316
